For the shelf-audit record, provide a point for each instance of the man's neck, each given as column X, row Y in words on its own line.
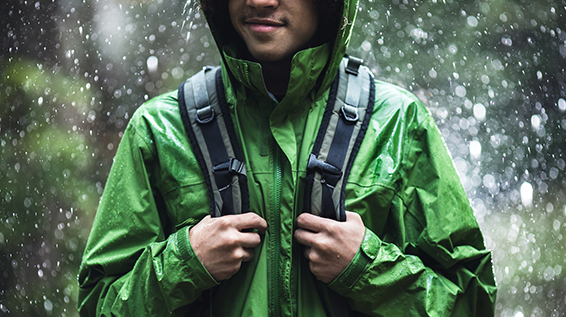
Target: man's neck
column 276, row 76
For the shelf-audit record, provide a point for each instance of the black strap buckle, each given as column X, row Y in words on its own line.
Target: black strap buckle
column 315, row 163
column 233, row 166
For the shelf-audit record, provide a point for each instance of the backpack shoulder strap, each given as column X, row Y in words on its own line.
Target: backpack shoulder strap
column 208, row 125
column 345, row 121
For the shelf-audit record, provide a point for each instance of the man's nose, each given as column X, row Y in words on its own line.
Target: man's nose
column 263, row 4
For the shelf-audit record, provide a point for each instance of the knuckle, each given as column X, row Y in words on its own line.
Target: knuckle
column 256, row 240
column 330, row 227
column 314, row 257
column 237, row 255
column 307, row 254
column 222, row 222
column 324, row 244
column 231, row 240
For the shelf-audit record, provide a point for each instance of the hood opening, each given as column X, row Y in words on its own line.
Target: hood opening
column 331, row 30
column 218, row 18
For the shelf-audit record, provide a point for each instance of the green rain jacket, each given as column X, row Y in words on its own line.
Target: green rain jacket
column 422, row 254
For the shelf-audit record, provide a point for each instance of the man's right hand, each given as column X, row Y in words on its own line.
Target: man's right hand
column 222, row 246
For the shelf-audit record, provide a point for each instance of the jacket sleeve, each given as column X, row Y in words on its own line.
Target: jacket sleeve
column 131, row 265
column 437, row 265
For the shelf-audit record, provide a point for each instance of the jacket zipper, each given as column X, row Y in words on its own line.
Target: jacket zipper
column 275, row 236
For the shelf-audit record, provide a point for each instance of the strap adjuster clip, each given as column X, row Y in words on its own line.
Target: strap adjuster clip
column 205, row 114
column 350, row 113
column 237, row 166
column 353, row 65
column 315, row 163
column 233, row 166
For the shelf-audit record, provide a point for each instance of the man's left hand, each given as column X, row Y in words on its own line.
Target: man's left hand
column 329, row 245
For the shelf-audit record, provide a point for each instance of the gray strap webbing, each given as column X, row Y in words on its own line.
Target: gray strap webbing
column 213, row 141
column 338, row 140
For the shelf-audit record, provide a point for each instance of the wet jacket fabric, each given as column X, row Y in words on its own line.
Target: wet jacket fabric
column 422, row 254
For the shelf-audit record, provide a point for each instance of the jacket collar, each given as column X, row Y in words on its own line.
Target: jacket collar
column 306, row 67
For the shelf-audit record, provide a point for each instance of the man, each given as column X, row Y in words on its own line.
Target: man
column 410, row 245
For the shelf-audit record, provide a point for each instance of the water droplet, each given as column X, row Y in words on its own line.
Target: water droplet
column 548, row 273
column 472, row 21
column 152, row 64
column 562, row 104
column 48, row 305
column 527, row 194
column 479, row 112
column 475, row 149
column 460, row 91
column 535, row 121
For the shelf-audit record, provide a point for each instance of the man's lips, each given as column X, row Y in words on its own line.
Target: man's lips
column 263, row 25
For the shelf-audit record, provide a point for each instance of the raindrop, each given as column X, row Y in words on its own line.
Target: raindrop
column 562, row 104
column 177, row 72
column 548, row 273
column 506, row 41
column 489, row 181
column 418, row 34
column 479, row 112
column 527, row 194
column 535, row 121
column 472, row 21
column 432, row 73
column 48, row 305
column 366, row 46
column 460, row 91
column 152, row 64
column 452, row 48
column 475, row 150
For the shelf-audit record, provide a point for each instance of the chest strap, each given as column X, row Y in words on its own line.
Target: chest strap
column 203, row 108
column 339, row 137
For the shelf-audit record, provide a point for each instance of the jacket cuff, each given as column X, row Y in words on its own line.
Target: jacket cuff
column 201, row 278
column 366, row 254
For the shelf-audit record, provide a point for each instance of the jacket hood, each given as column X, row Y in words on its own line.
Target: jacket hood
column 312, row 69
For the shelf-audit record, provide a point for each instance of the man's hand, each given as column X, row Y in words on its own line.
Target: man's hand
column 222, row 246
column 329, row 245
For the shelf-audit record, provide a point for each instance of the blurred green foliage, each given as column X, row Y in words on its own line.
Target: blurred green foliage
column 47, row 187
